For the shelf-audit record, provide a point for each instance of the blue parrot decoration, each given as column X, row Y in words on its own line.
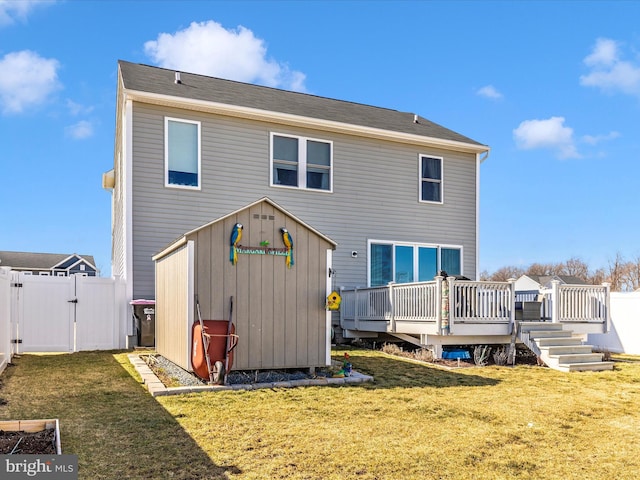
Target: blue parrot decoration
column 288, row 242
column 236, row 236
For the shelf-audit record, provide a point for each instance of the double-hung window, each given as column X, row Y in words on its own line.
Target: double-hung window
column 301, row 162
column 182, row 153
column 405, row 262
column 430, row 179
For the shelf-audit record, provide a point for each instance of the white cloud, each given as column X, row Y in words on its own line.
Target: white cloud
column 81, row 130
column 550, row 133
column 489, row 91
column 26, row 79
column 77, row 108
column 609, row 72
column 596, row 139
column 14, row 10
column 208, row 48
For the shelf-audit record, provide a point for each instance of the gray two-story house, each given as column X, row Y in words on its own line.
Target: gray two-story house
column 378, row 202
column 396, row 192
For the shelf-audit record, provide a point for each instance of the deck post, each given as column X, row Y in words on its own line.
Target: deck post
column 356, row 319
column 555, row 301
column 512, row 302
column 606, row 326
column 392, row 307
column 438, row 280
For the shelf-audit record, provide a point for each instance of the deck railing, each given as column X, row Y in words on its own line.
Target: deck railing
column 449, row 306
column 481, row 302
column 440, row 302
column 578, row 303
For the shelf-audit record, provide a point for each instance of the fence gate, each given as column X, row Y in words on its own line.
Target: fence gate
column 62, row 314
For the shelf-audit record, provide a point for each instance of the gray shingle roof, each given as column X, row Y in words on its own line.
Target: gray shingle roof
column 149, row 79
column 36, row 261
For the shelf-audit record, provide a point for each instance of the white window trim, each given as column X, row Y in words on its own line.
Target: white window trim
column 421, row 179
column 302, row 162
column 438, row 246
column 166, row 153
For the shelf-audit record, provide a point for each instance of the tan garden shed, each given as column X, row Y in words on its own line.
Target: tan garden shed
column 278, row 310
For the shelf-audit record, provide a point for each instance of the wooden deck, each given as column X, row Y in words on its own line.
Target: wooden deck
column 449, row 311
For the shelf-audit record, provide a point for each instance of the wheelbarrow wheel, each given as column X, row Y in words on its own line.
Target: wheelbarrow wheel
column 218, row 373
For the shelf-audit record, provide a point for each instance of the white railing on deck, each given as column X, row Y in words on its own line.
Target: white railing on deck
column 416, row 302
column 481, row 302
column 422, row 302
column 579, row 303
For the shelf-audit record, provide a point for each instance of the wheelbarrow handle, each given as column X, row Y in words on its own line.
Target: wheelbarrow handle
column 233, row 342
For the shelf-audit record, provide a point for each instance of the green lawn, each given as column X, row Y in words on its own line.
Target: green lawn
column 414, row 421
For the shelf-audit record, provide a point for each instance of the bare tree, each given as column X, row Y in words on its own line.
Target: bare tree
column 615, row 273
column 505, row 273
column 631, row 275
column 597, row 277
column 577, row 268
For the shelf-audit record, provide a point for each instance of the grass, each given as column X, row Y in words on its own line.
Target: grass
column 415, row 421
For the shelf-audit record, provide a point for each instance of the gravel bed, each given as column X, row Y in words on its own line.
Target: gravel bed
column 187, row 379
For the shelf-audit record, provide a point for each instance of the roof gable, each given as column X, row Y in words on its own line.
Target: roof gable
column 182, row 240
column 137, row 78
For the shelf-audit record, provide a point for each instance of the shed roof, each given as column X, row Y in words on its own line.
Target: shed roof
column 182, row 240
column 161, row 82
column 39, row 261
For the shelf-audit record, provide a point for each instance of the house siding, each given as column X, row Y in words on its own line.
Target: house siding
column 375, row 192
column 118, row 259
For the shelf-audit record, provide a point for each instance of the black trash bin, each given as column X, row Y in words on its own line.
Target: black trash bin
column 144, row 313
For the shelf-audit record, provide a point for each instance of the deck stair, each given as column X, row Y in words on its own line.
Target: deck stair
column 559, row 348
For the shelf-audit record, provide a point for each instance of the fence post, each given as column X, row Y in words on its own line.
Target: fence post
column 341, row 311
column 555, row 301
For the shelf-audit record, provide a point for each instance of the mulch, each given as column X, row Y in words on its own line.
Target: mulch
column 28, row 443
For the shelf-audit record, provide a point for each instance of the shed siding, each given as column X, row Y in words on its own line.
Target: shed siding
column 375, row 192
column 278, row 312
column 172, row 307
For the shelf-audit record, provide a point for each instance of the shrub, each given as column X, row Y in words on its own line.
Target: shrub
column 481, row 355
column 501, row 356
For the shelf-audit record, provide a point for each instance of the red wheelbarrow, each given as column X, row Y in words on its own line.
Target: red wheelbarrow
column 212, row 347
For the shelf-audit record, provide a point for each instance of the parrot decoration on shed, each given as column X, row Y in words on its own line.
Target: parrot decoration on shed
column 236, row 236
column 288, row 242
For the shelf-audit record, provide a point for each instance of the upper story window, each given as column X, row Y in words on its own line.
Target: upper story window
column 182, row 153
column 430, row 179
column 404, row 262
column 301, row 162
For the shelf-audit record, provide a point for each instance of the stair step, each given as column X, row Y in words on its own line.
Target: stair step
column 555, row 341
column 535, row 334
column 586, row 366
column 565, row 349
column 530, row 326
column 570, row 358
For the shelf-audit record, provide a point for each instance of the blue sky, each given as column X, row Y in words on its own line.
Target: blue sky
column 552, row 87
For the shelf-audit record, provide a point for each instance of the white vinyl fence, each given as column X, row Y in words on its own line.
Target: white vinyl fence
column 624, row 329
column 60, row 314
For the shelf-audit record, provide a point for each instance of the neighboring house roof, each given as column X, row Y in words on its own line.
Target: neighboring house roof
column 565, row 279
column 42, row 261
column 145, row 81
